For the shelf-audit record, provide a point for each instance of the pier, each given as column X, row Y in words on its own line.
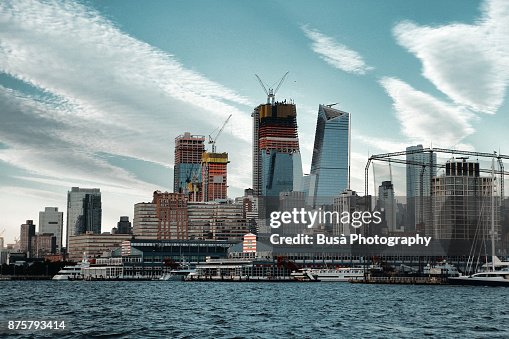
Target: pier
column 402, row 280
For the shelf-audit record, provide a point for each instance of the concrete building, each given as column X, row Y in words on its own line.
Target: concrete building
column 94, row 245
column 330, row 166
column 387, row 204
column 84, row 211
column 52, row 221
column 216, row 221
column 27, row 232
column 187, row 173
column 145, row 222
column 214, row 176
column 171, row 212
column 462, row 203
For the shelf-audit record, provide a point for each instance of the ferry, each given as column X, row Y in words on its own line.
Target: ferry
column 177, row 275
column 71, row 272
column 330, row 274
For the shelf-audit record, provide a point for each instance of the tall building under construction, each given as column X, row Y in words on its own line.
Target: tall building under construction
column 276, row 155
column 214, row 176
column 187, row 171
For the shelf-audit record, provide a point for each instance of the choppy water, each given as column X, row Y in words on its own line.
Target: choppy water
column 256, row 310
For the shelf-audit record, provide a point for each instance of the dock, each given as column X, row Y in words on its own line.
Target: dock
column 402, row 280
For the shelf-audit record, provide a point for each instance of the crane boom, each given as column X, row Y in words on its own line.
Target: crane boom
column 213, row 140
column 269, row 91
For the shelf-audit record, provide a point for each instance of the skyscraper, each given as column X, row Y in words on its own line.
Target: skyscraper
column 276, row 156
column 52, row 221
column 214, row 176
column 27, row 232
column 330, row 166
column 387, row 202
column 84, row 211
column 124, row 226
column 187, row 178
column 421, row 166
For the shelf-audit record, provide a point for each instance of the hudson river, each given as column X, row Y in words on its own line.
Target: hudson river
column 255, row 310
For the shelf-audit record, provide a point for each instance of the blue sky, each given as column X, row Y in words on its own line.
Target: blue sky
column 93, row 93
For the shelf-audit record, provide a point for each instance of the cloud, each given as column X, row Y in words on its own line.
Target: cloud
column 336, row 54
column 425, row 119
column 468, row 63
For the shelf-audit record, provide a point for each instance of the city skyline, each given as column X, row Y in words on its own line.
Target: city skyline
column 92, row 94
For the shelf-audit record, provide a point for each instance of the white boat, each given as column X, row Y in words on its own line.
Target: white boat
column 329, row 274
column 71, row 272
column 443, row 269
column 177, row 275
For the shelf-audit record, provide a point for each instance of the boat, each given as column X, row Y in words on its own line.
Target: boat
column 330, row 274
column 491, row 276
column 442, row 268
column 177, row 275
column 73, row 272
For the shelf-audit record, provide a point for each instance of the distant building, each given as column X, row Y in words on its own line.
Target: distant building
column 216, row 221
column 94, row 245
column 27, row 231
column 387, row 204
column 277, row 163
column 462, row 203
column 52, row 221
column 1, row 243
column 214, row 176
column 145, row 222
column 349, row 201
column 420, row 170
column 84, row 211
column 171, row 212
column 44, row 244
column 330, row 166
column 124, row 226
column 187, row 175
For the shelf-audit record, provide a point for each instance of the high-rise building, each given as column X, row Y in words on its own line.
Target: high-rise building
column 27, row 232
column 277, row 163
column 330, row 166
column 84, row 211
column 214, row 176
column 187, row 176
column 462, row 203
column 349, row 201
column 145, row 222
column 43, row 244
column 387, row 204
column 52, row 221
column 420, row 168
column 171, row 212
column 124, row 226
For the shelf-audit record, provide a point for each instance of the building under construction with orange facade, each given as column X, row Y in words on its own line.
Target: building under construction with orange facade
column 214, row 176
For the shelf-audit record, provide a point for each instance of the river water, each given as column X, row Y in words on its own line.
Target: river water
column 255, row 310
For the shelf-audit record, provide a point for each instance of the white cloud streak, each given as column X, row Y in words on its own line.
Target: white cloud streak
column 336, row 54
column 468, row 63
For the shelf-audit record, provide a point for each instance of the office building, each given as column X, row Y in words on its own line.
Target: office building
column 27, row 232
column 387, row 204
column 94, row 245
column 330, row 166
column 420, row 168
column 214, row 176
column 187, row 175
column 44, row 244
column 124, row 226
column 84, row 211
column 51, row 221
column 145, row 222
column 462, row 203
column 276, row 155
column 171, row 212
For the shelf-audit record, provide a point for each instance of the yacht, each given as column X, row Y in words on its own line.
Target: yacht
column 443, row 268
column 177, row 275
column 71, row 272
column 330, row 274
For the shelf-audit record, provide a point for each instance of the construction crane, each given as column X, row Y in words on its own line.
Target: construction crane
column 334, row 104
column 271, row 93
column 213, row 140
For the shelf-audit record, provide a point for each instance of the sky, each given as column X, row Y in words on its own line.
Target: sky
column 93, row 93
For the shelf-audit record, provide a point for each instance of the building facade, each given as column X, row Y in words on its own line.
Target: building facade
column 124, row 226
column 171, row 212
column 145, row 222
column 330, row 166
column 420, row 169
column 387, row 204
column 52, row 221
column 27, row 232
column 214, row 176
column 44, row 244
column 277, row 163
column 84, row 211
column 187, row 176
column 94, row 245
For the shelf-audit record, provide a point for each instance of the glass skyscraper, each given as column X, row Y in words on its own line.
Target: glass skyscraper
column 84, row 211
column 330, row 166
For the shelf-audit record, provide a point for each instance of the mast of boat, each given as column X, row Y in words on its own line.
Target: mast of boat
column 493, row 214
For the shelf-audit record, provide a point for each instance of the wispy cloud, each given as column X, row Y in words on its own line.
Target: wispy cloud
column 336, row 54
column 469, row 63
column 426, row 119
